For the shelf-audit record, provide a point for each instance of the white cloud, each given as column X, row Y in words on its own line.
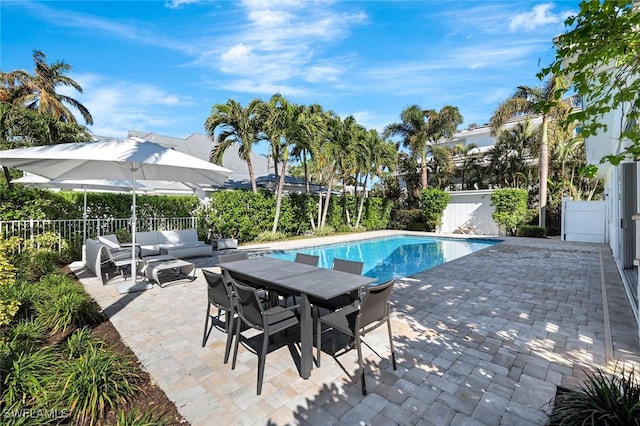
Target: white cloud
column 175, row 4
column 540, row 15
column 119, row 106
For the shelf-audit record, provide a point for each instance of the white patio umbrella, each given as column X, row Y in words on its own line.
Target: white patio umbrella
column 154, row 187
column 126, row 159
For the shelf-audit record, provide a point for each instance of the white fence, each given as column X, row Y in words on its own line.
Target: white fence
column 584, row 221
column 73, row 230
column 469, row 210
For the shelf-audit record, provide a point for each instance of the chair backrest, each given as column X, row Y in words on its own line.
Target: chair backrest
column 109, row 240
column 307, row 259
column 375, row 304
column 218, row 291
column 222, row 258
column 350, row 266
column 248, row 303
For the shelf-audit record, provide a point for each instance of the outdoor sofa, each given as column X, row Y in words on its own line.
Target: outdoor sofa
column 179, row 244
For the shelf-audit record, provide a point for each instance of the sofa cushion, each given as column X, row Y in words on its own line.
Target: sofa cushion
column 170, row 237
column 147, row 238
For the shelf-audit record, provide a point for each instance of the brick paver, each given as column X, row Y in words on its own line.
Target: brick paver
column 482, row 340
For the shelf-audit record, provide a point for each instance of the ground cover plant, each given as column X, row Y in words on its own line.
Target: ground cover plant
column 605, row 398
column 61, row 360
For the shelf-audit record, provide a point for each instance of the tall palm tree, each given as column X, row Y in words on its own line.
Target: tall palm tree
column 421, row 128
column 284, row 123
column 234, row 124
column 374, row 155
column 467, row 156
column 32, row 113
column 41, row 92
column 511, row 156
column 534, row 100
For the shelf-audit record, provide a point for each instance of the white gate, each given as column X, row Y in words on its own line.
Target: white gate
column 584, row 221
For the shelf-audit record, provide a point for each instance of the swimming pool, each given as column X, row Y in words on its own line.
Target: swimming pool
column 393, row 257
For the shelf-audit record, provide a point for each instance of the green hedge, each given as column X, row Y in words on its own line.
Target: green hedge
column 510, row 208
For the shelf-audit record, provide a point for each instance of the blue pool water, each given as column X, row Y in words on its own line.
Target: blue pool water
column 393, row 257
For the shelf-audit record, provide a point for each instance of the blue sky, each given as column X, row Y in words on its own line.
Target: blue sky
column 161, row 65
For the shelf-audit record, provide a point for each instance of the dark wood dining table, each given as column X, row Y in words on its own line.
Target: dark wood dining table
column 300, row 280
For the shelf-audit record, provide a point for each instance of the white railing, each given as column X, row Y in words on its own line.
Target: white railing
column 73, row 230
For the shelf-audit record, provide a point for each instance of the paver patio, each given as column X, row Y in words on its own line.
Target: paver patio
column 482, row 340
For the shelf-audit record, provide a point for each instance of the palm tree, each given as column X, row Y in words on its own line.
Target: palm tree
column 284, row 123
column 32, row 113
column 40, row 90
column 510, row 157
column 234, row 124
column 374, row 156
column 421, row 128
column 542, row 101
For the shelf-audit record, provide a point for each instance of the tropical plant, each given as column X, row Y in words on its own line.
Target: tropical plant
column 433, row 203
column 422, row 128
column 467, row 161
column 603, row 399
column 80, row 342
column 597, row 57
column 539, row 101
column 234, row 126
column 510, row 208
column 22, row 93
column 511, row 157
column 135, row 417
column 29, row 376
column 95, row 382
column 65, row 304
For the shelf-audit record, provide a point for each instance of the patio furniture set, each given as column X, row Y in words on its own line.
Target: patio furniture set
column 262, row 293
column 159, row 256
column 238, row 293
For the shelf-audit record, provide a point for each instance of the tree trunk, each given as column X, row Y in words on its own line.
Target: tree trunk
column 544, row 171
column 361, row 205
column 283, row 171
column 423, row 174
column 7, row 176
column 252, row 177
column 326, row 202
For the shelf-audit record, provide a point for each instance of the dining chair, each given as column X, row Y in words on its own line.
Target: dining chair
column 220, row 295
column 243, row 255
column 307, row 259
column 270, row 321
column 231, row 257
column 332, row 305
column 356, row 321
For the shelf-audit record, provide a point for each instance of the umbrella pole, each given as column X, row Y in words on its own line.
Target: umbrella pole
column 84, row 227
column 134, row 260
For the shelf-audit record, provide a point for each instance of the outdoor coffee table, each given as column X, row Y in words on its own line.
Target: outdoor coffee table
column 168, row 266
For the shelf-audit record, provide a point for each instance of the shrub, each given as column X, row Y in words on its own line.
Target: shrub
column 271, row 236
column 24, row 336
column 95, row 382
column 324, row 231
column 530, row 231
column 433, row 201
column 22, row 294
column 417, row 226
column 35, row 263
column 137, row 418
column 29, row 376
column 604, row 399
column 400, row 219
column 80, row 342
column 510, row 208
column 64, row 304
